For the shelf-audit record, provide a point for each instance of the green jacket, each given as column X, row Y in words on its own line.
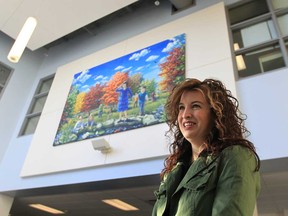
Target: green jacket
column 226, row 185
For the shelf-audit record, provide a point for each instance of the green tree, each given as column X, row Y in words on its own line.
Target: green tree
column 151, row 86
column 70, row 103
column 134, row 82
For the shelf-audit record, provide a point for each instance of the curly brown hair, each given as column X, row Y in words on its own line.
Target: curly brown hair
column 228, row 127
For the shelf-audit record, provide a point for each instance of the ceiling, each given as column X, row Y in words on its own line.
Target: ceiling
column 56, row 19
column 59, row 21
column 62, row 20
column 85, row 199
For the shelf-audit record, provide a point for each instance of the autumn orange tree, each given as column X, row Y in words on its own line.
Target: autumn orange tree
column 110, row 96
column 173, row 70
column 92, row 99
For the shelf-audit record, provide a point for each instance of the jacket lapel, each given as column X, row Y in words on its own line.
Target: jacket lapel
column 196, row 167
column 174, row 178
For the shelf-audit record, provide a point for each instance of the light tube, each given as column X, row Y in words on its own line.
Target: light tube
column 22, row 40
column 120, row 204
column 46, row 209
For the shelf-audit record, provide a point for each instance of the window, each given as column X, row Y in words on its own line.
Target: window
column 255, row 34
column 283, row 24
column 36, row 107
column 279, row 4
column 5, row 74
column 259, row 30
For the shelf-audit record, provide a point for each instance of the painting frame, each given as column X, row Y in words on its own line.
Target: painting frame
column 126, row 93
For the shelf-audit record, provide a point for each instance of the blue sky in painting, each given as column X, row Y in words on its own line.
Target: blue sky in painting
column 145, row 61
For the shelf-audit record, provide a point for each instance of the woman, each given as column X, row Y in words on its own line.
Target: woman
column 123, row 99
column 212, row 168
column 91, row 121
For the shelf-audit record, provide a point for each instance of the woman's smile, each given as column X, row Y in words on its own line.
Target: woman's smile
column 194, row 117
column 188, row 124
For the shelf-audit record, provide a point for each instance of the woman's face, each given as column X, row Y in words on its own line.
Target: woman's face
column 194, row 118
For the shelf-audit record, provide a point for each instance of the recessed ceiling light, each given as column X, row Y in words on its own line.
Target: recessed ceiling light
column 120, row 204
column 47, row 209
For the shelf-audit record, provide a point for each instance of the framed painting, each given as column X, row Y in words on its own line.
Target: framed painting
column 123, row 94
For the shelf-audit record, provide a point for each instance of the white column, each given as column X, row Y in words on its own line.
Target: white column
column 255, row 211
column 5, row 204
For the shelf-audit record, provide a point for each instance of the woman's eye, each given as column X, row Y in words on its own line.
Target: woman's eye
column 196, row 106
column 181, row 107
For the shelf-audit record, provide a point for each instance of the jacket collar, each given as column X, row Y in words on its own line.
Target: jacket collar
column 204, row 161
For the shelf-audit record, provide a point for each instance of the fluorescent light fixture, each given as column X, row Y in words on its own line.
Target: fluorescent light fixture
column 239, row 59
column 22, row 40
column 46, row 209
column 120, row 204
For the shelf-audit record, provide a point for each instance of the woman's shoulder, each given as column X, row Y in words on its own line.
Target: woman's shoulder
column 238, row 154
column 236, row 150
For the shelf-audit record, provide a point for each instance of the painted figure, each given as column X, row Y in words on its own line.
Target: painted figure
column 135, row 100
column 90, row 121
column 79, row 125
column 100, row 110
column 142, row 97
column 123, row 99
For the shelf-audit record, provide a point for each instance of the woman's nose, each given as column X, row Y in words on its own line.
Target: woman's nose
column 187, row 113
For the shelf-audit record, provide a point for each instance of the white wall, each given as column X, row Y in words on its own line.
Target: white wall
column 5, row 204
column 19, row 87
column 148, row 142
column 264, row 99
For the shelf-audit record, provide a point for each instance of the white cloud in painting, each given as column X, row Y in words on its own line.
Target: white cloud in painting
column 101, row 79
column 83, row 77
column 152, row 58
column 174, row 43
column 85, row 88
column 139, row 68
column 137, row 56
column 119, row 68
column 162, row 60
column 77, row 86
column 126, row 69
